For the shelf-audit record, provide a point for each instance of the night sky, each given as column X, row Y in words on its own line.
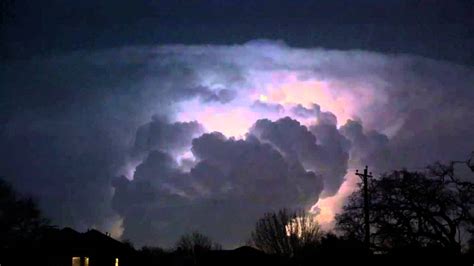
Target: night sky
column 150, row 119
column 433, row 28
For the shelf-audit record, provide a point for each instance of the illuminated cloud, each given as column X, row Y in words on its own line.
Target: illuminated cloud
column 234, row 183
column 79, row 120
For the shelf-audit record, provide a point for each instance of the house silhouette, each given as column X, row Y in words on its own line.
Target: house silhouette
column 91, row 248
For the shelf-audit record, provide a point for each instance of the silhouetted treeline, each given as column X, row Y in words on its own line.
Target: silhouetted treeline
column 414, row 215
column 416, row 210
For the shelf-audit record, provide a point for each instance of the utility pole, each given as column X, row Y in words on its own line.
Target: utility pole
column 364, row 178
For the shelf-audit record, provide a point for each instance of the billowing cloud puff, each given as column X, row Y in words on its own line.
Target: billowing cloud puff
column 70, row 123
column 326, row 157
column 366, row 147
column 234, row 182
column 314, row 112
column 258, row 172
column 159, row 134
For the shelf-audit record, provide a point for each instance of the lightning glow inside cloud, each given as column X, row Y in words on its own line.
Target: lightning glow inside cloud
column 210, row 137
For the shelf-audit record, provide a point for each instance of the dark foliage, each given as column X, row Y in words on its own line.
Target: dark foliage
column 21, row 221
column 429, row 209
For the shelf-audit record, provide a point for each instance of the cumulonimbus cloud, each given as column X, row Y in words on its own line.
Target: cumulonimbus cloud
column 292, row 124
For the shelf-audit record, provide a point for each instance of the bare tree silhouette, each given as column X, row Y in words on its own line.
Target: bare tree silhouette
column 286, row 233
column 196, row 242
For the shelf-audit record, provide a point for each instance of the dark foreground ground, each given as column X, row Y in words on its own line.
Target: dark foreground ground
column 245, row 256
column 67, row 247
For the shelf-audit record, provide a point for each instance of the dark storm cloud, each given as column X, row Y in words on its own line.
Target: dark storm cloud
column 326, row 157
column 64, row 161
column 66, row 123
column 334, row 148
column 208, row 95
column 234, row 182
column 160, row 134
column 315, row 113
column 104, row 80
column 259, row 172
column 69, row 123
column 366, row 147
column 222, row 96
